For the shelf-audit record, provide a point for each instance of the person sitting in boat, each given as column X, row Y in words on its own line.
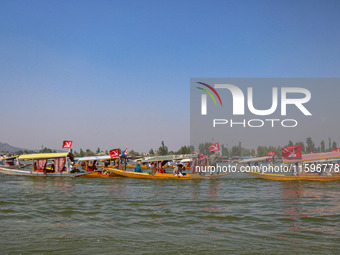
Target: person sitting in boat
column 160, row 167
column 73, row 168
column 180, row 170
column 138, row 168
column 93, row 167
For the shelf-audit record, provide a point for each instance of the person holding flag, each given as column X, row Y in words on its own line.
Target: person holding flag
column 212, row 159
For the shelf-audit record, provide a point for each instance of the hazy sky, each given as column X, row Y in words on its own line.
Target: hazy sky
column 117, row 73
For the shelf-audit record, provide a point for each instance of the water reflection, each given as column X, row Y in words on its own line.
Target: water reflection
column 309, row 206
column 214, row 189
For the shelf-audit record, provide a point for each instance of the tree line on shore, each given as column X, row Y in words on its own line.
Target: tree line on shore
column 236, row 150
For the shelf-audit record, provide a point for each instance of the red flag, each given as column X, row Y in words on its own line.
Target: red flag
column 195, row 152
column 206, row 156
column 201, row 156
column 214, row 147
column 271, row 153
column 125, row 152
column 292, row 152
column 336, row 150
column 114, row 153
column 67, row 144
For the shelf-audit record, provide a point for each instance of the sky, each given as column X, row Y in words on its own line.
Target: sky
column 114, row 74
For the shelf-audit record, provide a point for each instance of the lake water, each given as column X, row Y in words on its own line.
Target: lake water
column 237, row 214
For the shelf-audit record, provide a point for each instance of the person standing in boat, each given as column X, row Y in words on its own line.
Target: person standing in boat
column 175, row 171
column 213, row 160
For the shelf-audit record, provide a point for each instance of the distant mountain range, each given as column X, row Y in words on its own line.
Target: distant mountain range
column 5, row 147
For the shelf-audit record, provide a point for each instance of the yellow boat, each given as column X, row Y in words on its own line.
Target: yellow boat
column 328, row 168
column 100, row 174
column 84, row 162
column 301, row 177
column 159, row 173
column 143, row 167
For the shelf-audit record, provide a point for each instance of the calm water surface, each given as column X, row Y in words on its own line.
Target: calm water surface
column 238, row 214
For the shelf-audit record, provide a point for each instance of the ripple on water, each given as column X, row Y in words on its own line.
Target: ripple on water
column 122, row 215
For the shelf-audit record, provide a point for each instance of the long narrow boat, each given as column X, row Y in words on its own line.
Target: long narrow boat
column 329, row 161
column 87, row 164
column 159, row 173
column 300, row 177
column 60, row 165
column 162, row 175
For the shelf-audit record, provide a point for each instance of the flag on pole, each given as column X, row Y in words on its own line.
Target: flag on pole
column 271, row 153
column 292, row 152
column 67, row 144
column 214, row 147
column 114, row 153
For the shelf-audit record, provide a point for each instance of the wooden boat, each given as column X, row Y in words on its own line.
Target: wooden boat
column 304, row 164
column 159, row 173
column 133, row 166
column 162, row 175
column 88, row 164
column 301, row 177
column 61, row 165
column 35, row 173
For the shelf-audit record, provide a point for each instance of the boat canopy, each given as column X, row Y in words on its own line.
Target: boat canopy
column 9, row 158
column 246, row 160
column 169, row 157
column 244, row 157
column 315, row 157
column 45, row 155
column 92, row 158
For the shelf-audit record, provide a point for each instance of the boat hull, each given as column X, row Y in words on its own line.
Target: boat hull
column 161, row 176
column 18, row 172
column 99, row 174
column 304, row 177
